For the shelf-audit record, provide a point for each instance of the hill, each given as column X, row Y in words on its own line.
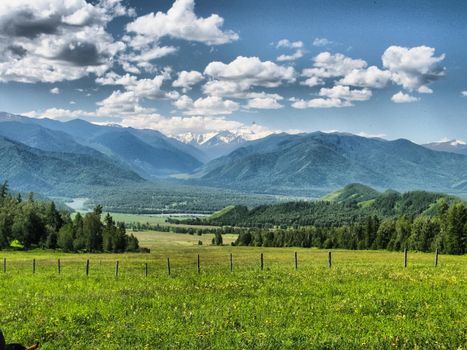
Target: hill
column 325, row 213
column 352, row 193
column 317, row 163
column 31, row 169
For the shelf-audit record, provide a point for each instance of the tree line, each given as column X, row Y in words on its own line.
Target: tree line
column 38, row 224
column 446, row 231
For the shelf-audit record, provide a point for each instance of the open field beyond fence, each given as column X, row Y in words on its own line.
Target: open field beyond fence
column 366, row 300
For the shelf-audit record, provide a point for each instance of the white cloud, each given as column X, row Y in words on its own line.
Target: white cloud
column 370, row 135
column 187, row 79
column 401, row 97
column 55, row 91
column 264, row 102
column 128, row 102
column 250, row 71
column 289, row 44
column 59, row 113
column 320, row 103
column 210, row 105
column 371, row 77
column 327, row 65
column 464, row 93
column 321, row 42
column 345, row 93
column 181, row 22
column 295, row 56
column 336, row 97
column 413, row 68
column 51, row 41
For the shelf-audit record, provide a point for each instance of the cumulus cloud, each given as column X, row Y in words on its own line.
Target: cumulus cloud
column 59, row 113
column 181, row 22
column 207, row 106
column 289, row 44
column 413, row 68
column 50, row 41
column 129, row 101
column 338, row 96
column 401, row 97
column 295, row 56
column 55, row 91
column 464, row 93
column 263, row 101
column 187, row 79
column 321, row 42
column 327, row 65
column 252, row 71
column 371, row 77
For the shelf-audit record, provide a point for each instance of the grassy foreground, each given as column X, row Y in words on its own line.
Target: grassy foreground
column 366, row 300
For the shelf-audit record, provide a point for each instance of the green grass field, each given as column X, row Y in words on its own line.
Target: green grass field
column 366, row 300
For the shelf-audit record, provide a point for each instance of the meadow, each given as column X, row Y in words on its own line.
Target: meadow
column 366, row 300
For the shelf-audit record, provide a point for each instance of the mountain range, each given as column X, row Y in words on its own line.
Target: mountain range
column 454, row 146
column 45, row 155
column 215, row 144
column 318, row 162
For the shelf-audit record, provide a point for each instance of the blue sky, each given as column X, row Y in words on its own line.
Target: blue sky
column 382, row 68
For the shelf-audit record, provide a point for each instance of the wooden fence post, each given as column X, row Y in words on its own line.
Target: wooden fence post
column 58, row 266
column 405, row 258
column 168, row 265
column 296, row 261
column 436, row 257
column 199, row 267
column 262, row 262
column 231, row 263
column 330, row 259
column 116, row 269
column 33, row 265
column 87, row 267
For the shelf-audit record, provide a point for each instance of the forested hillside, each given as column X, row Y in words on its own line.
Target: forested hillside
column 356, row 217
column 26, row 224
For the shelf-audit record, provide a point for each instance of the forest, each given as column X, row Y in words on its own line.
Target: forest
column 446, row 232
column 27, row 224
column 419, row 220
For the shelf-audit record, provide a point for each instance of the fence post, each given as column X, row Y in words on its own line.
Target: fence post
column 296, row 261
column 58, row 266
column 231, row 263
column 436, row 257
column 330, row 259
column 33, row 265
column 4, row 265
column 199, row 267
column 87, row 267
column 168, row 265
column 405, row 258
column 116, row 269
column 146, row 270
column 262, row 262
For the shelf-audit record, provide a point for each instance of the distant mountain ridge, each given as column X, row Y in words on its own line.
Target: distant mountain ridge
column 147, row 152
column 318, row 162
column 214, row 144
column 453, row 146
column 32, row 169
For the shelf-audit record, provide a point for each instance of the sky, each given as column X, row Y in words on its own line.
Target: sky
column 391, row 69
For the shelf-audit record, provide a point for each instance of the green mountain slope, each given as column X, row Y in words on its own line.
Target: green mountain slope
column 30, row 169
column 327, row 213
column 318, row 163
